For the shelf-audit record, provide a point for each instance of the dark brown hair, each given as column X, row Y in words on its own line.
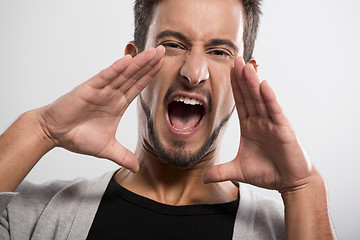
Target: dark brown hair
column 144, row 10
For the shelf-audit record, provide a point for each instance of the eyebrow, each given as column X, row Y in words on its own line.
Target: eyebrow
column 184, row 39
column 169, row 33
column 217, row 42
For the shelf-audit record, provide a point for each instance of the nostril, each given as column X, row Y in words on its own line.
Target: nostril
column 195, row 70
column 196, row 79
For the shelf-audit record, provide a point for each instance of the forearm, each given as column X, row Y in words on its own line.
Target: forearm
column 21, row 147
column 306, row 212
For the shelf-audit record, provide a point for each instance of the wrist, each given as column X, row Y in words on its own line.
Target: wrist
column 21, row 146
column 36, row 126
column 313, row 189
column 306, row 211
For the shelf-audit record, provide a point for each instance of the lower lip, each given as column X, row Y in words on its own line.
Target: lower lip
column 183, row 133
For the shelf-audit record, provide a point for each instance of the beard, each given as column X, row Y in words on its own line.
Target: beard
column 177, row 156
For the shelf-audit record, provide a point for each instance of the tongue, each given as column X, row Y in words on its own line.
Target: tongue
column 183, row 116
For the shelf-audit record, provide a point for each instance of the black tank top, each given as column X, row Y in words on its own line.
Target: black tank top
column 125, row 215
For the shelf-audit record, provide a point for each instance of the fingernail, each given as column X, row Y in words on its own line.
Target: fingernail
column 161, row 47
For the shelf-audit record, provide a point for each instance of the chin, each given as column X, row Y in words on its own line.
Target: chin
column 178, row 136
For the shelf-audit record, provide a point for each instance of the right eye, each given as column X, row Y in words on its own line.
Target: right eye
column 172, row 45
column 173, row 48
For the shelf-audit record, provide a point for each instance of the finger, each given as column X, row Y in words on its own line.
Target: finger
column 272, row 104
column 144, row 71
column 140, row 65
column 242, row 82
column 238, row 96
column 253, row 85
column 137, row 63
column 109, row 74
column 122, row 156
column 223, row 172
column 136, row 88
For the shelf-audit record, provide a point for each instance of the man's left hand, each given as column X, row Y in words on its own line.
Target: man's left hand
column 270, row 154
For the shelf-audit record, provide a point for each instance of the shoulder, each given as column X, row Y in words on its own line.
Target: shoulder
column 43, row 208
column 259, row 217
column 42, row 193
column 36, row 197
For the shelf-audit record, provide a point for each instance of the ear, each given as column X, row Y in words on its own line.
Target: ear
column 132, row 49
column 254, row 63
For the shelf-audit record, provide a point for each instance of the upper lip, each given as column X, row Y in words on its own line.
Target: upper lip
column 190, row 95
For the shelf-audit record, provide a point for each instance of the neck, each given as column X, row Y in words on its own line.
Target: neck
column 172, row 186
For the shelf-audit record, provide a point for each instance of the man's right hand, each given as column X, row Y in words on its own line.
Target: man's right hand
column 83, row 121
column 86, row 119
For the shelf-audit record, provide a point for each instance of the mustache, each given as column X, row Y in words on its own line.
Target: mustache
column 178, row 86
column 177, row 158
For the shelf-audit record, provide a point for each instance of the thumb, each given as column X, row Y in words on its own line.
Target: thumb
column 223, row 172
column 122, row 156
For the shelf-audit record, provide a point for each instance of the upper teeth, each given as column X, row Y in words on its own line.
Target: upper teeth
column 186, row 100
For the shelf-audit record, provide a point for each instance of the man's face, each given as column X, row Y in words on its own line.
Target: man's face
column 190, row 99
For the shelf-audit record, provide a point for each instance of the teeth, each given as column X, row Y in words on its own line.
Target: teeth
column 186, row 100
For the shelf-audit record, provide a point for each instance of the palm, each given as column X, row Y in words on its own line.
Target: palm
column 262, row 148
column 85, row 120
column 269, row 154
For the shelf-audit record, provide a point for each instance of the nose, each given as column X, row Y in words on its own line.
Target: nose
column 195, row 68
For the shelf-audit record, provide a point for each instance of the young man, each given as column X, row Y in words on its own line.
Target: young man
column 189, row 80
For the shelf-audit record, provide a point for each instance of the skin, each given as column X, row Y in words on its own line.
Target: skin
column 193, row 65
column 97, row 104
column 269, row 153
column 197, row 67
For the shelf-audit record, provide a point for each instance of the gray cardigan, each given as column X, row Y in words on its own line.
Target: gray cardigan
column 66, row 210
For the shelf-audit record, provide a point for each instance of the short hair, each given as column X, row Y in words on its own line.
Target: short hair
column 144, row 11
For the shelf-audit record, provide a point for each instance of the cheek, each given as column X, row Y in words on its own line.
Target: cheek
column 155, row 92
column 148, row 94
column 222, row 87
column 226, row 99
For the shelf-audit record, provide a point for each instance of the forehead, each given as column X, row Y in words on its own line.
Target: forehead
column 199, row 20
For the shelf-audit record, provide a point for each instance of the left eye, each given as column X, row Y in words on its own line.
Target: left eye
column 220, row 53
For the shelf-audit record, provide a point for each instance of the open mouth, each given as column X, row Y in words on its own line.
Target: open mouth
column 185, row 113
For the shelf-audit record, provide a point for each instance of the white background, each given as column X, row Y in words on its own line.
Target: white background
column 308, row 50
